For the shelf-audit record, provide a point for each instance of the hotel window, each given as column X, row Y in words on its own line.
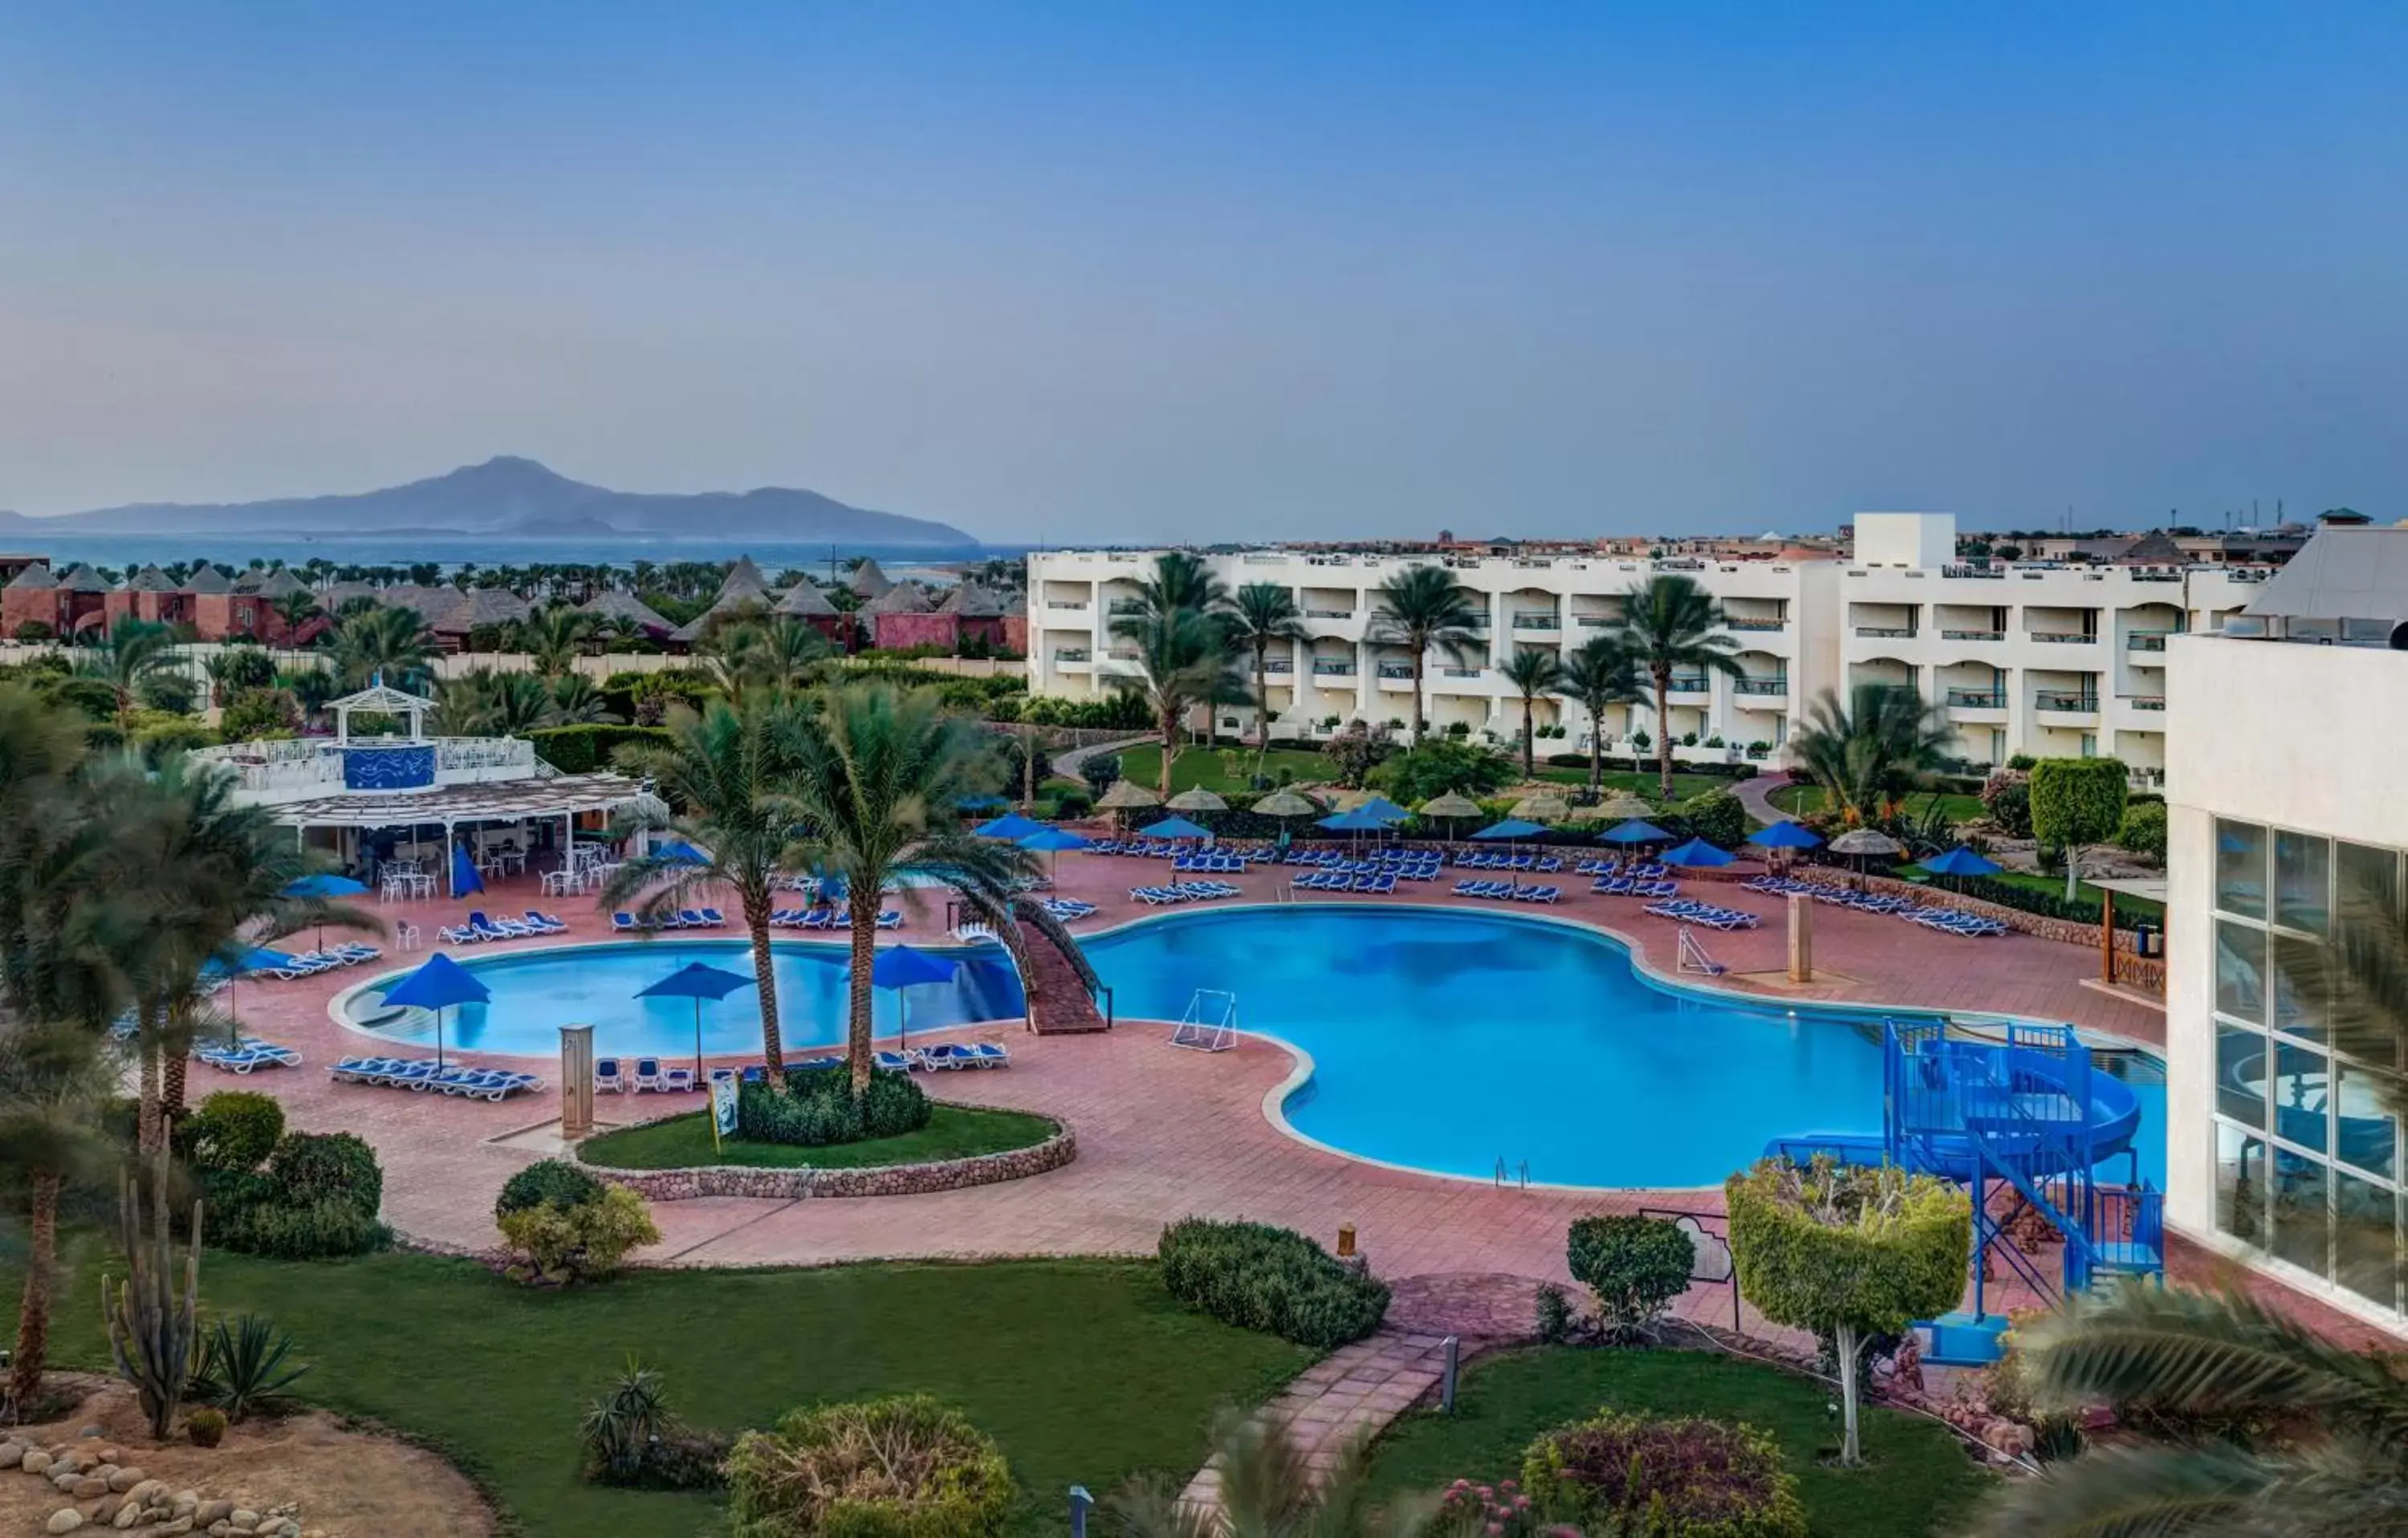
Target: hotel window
column 2307, row 1149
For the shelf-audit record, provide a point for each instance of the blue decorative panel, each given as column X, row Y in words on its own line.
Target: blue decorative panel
column 389, row 769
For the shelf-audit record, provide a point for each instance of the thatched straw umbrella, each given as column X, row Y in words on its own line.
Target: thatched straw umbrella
column 1543, row 806
column 1196, row 798
column 1861, row 844
column 1623, row 806
column 1285, row 803
column 1126, row 796
column 1450, row 806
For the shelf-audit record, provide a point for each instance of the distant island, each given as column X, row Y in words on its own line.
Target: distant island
column 515, row 497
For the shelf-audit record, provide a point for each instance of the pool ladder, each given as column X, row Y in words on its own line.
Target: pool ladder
column 1505, row 1176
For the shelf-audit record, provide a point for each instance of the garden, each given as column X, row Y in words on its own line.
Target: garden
column 685, row 1143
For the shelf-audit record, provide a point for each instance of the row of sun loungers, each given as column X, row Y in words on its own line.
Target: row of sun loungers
column 684, row 918
column 245, row 1053
column 612, row 1076
column 1509, row 891
column 824, row 918
column 1419, row 868
column 1069, row 909
column 1210, row 865
column 1635, row 869
column 1947, row 920
column 1186, row 891
column 1339, row 881
column 479, row 929
column 945, row 1055
column 1544, row 863
column 311, row 963
column 1705, row 914
column 422, row 1074
column 1626, row 886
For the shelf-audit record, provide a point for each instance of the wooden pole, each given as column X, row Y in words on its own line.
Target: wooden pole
column 577, row 1082
column 1802, row 938
column 2106, row 936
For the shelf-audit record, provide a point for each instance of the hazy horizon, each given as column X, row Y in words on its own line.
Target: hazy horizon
column 1081, row 274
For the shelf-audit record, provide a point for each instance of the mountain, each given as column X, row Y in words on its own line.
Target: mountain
column 520, row 498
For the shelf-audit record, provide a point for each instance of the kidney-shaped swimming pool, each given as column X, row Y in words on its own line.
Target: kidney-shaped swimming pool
column 1442, row 1040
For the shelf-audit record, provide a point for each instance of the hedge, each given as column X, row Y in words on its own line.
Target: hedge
column 1274, row 1280
column 1635, row 1265
column 318, row 1198
column 582, row 750
column 816, row 1107
column 1685, row 1478
column 2078, row 800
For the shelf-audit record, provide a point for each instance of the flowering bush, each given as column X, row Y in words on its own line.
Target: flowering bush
column 1491, row 1510
column 1628, row 1476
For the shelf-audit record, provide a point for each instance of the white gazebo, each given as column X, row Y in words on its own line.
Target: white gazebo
column 379, row 698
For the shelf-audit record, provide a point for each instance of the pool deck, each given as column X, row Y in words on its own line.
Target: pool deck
column 1162, row 1132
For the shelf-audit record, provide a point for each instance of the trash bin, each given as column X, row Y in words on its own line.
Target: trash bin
column 2148, row 940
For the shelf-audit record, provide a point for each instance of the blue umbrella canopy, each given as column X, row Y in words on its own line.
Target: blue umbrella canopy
column 1175, row 828
column 901, row 967
column 1361, row 820
column 1383, row 808
column 1635, row 832
column 1047, row 839
column 324, row 886
column 256, row 958
column 681, row 852
column 1512, row 827
column 981, row 803
column 1011, row 825
column 1696, row 854
column 439, row 984
column 465, row 879
column 1785, row 835
column 1961, row 861
column 691, row 981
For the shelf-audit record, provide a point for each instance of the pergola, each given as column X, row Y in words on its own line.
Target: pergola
column 561, row 796
column 380, row 699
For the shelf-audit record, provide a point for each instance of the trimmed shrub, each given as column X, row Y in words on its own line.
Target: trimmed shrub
column 1635, row 1265
column 2078, row 800
column 317, row 1199
column 2006, row 795
column 2144, row 829
column 583, row 748
column 234, row 1129
column 1553, row 1318
column 308, row 1167
column 553, row 1180
column 1274, row 1280
column 816, row 1107
column 560, row 1245
column 900, row 1467
column 1717, row 817
column 313, row 1230
column 1684, row 1478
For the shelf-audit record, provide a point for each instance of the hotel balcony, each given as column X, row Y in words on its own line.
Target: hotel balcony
column 1397, row 675
column 1332, row 668
column 1329, row 614
column 1972, row 634
column 1120, row 607
column 2156, row 703
column 1457, row 672
column 1977, row 699
column 1885, row 632
column 1742, row 622
column 1536, row 619
column 2064, row 638
column 1122, row 663
column 2065, row 702
column 2146, row 640
column 1069, row 606
column 1073, row 659
column 1688, row 683
column 1760, row 689
column 1279, row 666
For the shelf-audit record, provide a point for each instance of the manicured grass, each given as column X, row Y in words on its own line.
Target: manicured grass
column 1919, row 1480
column 1803, row 799
column 2054, row 886
column 1683, row 786
column 1221, row 770
column 683, row 1142
column 1085, row 1372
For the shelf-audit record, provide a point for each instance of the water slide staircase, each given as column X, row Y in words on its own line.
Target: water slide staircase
column 2025, row 1122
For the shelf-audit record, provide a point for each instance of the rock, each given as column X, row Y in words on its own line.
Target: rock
column 35, row 1461
column 2009, row 1438
column 208, row 1514
column 64, row 1479
column 64, row 1519
column 89, row 1489
column 243, row 1518
column 102, row 1470
column 187, row 1501
column 92, row 1431
column 12, row 1453
column 125, row 1479
column 176, row 1525
column 127, row 1515
column 147, row 1492
column 109, row 1454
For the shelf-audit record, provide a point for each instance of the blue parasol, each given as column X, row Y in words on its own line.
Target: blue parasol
column 696, row 982
column 1512, row 827
column 438, row 986
column 255, row 958
column 679, row 852
column 1785, row 835
column 1051, row 840
column 1961, row 861
column 1383, row 808
column 1361, row 820
column 1175, row 828
column 1696, row 855
column 1636, row 831
column 465, row 879
column 900, row 966
column 324, row 886
column 1011, row 825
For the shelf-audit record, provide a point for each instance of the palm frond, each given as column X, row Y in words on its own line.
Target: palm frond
column 2134, row 1493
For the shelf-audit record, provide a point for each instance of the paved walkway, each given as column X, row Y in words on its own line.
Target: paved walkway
column 1755, row 794
column 1343, row 1402
column 1071, row 760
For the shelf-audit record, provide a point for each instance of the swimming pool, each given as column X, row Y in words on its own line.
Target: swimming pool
column 1442, row 1040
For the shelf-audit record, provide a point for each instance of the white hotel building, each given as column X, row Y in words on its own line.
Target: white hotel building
column 2047, row 659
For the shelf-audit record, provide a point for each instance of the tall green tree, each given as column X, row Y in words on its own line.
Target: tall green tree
column 1183, row 661
column 772, row 653
column 1532, row 672
column 1260, row 616
column 394, row 643
column 877, row 775
column 1599, row 675
column 552, row 639
column 296, row 609
column 1180, row 583
column 723, row 774
column 1425, row 609
column 1669, row 623
column 54, row 1078
column 1869, row 754
column 137, row 652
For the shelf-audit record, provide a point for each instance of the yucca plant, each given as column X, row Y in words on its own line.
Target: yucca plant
column 243, row 1367
column 626, row 1419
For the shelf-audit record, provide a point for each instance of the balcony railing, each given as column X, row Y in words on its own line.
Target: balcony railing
column 1886, row 632
column 2145, row 703
column 1966, row 570
column 1066, row 603
column 1688, row 683
column 1329, row 614
column 1978, row 700
column 1761, row 686
column 1277, row 666
column 1452, row 671
column 1972, row 634
column 2145, row 640
column 1397, row 670
column 1536, row 620
column 2065, row 637
column 1071, row 653
column 1738, row 622
column 1333, row 669
column 1596, row 621
column 1126, row 606
column 2067, row 700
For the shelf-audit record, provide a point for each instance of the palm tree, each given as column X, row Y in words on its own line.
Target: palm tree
column 1183, row 661
column 1267, row 1490
column 776, row 653
column 553, row 637
column 54, row 1077
column 1532, row 672
column 1599, row 675
column 1868, row 757
column 481, row 703
column 137, row 652
column 1261, row 614
column 579, row 701
column 1182, row 582
column 876, row 774
column 391, row 643
column 296, row 609
column 237, row 668
column 1426, row 607
column 725, row 775
column 1670, row 623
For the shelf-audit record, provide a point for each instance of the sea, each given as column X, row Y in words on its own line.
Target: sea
column 454, row 549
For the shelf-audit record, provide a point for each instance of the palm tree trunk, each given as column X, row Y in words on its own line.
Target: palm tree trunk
column 1170, row 751
column 765, row 982
column 1663, row 734
column 1529, row 759
column 171, row 1087
column 1595, row 753
column 1262, row 708
column 1851, row 1452
column 864, row 956
column 150, row 1135
column 41, row 1283
column 1418, row 653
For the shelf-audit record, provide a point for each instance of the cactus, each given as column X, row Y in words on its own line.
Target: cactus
column 153, row 1331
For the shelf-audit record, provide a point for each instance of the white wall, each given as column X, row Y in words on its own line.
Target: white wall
column 1921, row 540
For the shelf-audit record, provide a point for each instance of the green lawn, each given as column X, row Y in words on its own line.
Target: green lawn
column 2054, row 886
column 1085, row 1372
column 1919, row 1480
column 1683, row 786
column 1221, row 770
column 683, row 1142
column 1803, row 799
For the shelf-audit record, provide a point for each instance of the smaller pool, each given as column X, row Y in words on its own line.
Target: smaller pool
column 536, row 992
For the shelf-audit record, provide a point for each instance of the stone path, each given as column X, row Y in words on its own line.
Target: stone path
column 1755, row 794
column 1068, row 763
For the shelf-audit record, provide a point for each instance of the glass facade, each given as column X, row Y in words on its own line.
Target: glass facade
column 2308, row 1158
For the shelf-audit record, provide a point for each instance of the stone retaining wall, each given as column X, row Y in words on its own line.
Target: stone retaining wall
column 950, row 1175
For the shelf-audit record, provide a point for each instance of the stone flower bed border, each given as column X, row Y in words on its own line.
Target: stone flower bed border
column 948, row 1174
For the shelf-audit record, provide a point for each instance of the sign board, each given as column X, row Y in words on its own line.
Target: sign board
column 723, row 1106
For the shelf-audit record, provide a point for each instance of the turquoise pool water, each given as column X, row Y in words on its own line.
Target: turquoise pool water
column 1442, row 1040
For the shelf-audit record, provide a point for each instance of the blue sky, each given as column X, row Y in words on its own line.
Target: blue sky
column 1069, row 272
